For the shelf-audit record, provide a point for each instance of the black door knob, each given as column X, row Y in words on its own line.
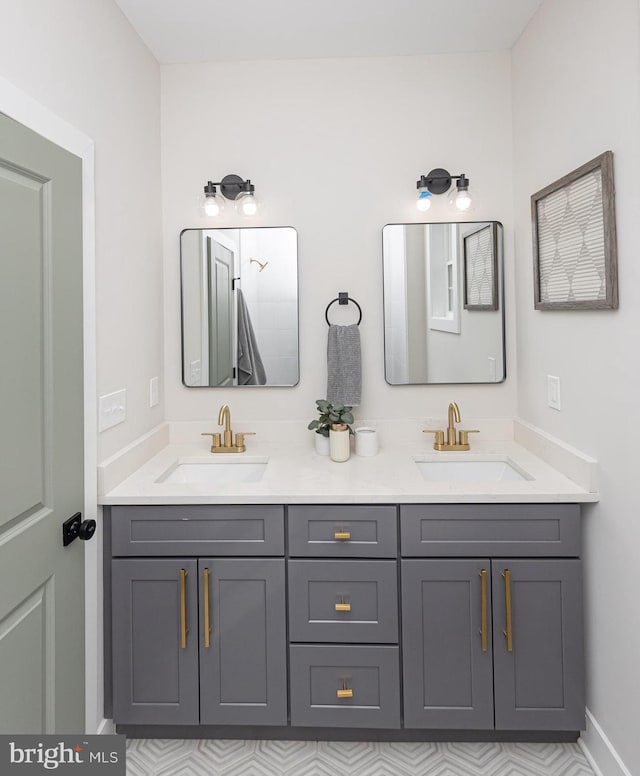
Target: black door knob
column 87, row 529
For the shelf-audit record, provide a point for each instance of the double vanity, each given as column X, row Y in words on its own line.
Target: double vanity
column 412, row 595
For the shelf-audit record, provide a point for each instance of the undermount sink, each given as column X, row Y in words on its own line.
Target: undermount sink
column 470, row 470
column 216, row 471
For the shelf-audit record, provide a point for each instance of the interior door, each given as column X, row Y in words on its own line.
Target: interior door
column 221, row 339
column 41, row 445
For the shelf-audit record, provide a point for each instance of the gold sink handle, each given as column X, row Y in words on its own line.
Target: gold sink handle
column 216, row 440
column 464, row 435
column 240, row 445
column 438, row 440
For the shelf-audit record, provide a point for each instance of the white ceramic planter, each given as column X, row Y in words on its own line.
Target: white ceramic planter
column 339, row 443
column 322, row 444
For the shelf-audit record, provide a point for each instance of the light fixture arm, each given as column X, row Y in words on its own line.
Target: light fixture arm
column 231, row 187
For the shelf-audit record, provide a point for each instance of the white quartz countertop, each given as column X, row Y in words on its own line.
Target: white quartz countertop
column 295, row 474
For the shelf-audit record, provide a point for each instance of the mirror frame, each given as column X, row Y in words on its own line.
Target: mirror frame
column 500, row 297
column 182, row 311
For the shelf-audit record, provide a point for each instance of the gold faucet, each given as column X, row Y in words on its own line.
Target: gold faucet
column 223, row 443
column 462, row 441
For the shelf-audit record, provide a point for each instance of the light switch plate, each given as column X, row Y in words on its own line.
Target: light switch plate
column 553, row 392
column 112, row 409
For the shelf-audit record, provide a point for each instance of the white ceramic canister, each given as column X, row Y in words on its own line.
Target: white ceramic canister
column 366, row 441
column 339, row 444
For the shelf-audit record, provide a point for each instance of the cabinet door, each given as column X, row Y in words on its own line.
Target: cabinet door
column 155, row 641
column 539, row 670
column 243, row 677
column 447, row 669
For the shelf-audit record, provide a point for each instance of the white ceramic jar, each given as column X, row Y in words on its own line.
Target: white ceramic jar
column 366, row 441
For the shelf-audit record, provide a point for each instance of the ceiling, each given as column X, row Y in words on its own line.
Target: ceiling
column 213, row 30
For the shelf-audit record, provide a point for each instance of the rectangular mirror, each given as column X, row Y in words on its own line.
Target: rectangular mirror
column 443, row 303
column 239, row 294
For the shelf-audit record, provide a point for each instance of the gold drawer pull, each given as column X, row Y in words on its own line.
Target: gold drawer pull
column 342, row 536
column 344, row 692
column 207, row 613
column 483, row 610
column 342, row 606
column 508, row 632
column 183, row 609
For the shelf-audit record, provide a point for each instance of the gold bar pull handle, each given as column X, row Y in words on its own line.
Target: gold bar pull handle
column 483, row 610
column 508, row 632
column 183, row 609
column 207, row 614
column 345, row 692
column 342, row 536
column 342, row 606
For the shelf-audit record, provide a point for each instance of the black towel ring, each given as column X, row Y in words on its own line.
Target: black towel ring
column 342, row 298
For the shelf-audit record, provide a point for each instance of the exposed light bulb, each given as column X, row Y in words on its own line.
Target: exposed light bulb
column 213, row 206
column 463, row 200
column 247, row 205
column 423, row 203
column 213, row 203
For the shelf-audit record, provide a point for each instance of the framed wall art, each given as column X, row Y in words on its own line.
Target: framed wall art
column 481, row 268
column 574, row 240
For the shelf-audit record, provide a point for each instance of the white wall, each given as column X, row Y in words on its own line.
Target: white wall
column 83, row 61
column 575, row 95
column 334, row 148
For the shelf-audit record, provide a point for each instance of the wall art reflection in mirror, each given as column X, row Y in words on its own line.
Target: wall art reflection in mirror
column 239, row 295
column 443, row 303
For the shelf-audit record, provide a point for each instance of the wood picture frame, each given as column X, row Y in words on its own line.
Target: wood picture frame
column 574, row 240
column 480, row 256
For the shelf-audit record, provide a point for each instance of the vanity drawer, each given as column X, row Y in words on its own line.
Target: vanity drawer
column 343, row 531
column 210, row 530
column 529, row 530
column 343, row 601
column 367, row 679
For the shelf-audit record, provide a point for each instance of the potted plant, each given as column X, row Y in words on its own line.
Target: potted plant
column 329, row 415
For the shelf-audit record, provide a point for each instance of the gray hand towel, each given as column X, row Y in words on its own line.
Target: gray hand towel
column 250, row 366
column 344, row 370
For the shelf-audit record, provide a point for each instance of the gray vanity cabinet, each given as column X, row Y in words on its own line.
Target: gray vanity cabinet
column 492, row 642
column 198, row 640
column 343, row 616
column 216, row 621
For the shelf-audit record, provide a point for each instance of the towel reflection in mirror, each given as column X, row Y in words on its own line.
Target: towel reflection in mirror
column 250, row 366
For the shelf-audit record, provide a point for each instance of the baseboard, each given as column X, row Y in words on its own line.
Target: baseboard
column 599, row 751
column 106, row 728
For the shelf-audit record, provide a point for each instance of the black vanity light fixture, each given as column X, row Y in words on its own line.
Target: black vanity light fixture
column 439, row 181
column 232, row 187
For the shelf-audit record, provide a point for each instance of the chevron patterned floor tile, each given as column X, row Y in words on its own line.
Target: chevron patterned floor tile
column 172, row 757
